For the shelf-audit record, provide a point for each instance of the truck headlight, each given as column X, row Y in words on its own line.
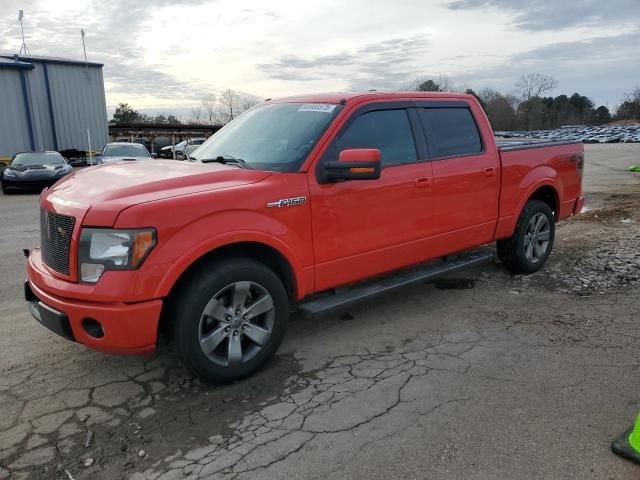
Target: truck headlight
column 104, row 249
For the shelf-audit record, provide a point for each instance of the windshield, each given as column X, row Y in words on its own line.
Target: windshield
column 276, row 136
column 125, row 150
column 43, row 158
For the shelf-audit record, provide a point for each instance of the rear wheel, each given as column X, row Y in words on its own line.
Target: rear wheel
column 528, row 249
column 229, row 319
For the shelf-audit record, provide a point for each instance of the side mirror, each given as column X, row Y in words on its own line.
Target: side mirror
column 353, row 164
column 154, row 155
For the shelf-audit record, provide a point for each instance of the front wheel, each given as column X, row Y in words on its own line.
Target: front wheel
column 528, row 249
column 229, row 319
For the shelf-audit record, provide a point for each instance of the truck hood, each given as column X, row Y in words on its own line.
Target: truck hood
column 122, row 159
column 100, row 193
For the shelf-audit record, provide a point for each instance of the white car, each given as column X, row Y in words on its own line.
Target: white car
column 180, row 147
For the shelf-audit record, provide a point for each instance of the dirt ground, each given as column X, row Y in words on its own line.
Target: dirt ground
column 483, row 376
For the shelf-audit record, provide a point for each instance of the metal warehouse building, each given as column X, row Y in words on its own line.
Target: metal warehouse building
column 49, row 103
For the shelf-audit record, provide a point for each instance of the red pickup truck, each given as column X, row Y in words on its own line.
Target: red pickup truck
column 282, row 206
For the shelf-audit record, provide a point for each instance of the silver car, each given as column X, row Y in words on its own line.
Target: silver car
column 118, row 152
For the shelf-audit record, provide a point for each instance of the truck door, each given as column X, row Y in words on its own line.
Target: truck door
column 365, row 227
column 466, row 177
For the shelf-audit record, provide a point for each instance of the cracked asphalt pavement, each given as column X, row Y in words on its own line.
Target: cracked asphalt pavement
column 483, row 375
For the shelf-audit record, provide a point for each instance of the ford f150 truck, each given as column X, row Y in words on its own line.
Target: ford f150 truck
column 313, row 202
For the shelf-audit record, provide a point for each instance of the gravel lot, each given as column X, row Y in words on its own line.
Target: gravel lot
column 483, row 376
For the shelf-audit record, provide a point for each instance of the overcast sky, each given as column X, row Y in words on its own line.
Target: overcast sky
column 163, row 55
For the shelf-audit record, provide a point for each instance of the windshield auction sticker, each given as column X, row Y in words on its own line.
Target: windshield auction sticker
column 317, row 107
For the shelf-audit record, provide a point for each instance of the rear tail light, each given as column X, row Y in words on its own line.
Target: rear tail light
column 580, row 163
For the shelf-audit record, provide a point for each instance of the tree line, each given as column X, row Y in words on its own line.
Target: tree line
column 212, row 110
column 527, row 108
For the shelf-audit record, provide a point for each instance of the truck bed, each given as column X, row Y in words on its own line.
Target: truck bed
column 510, row 145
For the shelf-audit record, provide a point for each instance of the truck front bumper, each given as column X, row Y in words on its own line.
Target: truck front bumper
column 108, row 327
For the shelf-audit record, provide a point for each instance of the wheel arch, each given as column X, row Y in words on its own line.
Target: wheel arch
column 260, row 251
column 545, row 190
column 256, row 250
column 549, row 195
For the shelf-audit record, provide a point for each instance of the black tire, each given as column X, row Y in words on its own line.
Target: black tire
column 512, row 251
column 5, row 190
column 188, row 318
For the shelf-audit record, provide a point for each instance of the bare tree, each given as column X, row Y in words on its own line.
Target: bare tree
column 533, row 85
column 229, row 106
column 195, row 116
column 445, row 84
column 222, row 108
column 629, row 109
column 247, row 102
column 209, row 108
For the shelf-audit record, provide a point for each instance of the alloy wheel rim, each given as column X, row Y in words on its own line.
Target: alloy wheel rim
column 236, row 323
column 537, row 237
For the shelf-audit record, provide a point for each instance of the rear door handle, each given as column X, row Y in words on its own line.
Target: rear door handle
column 422, row 182
column 489, row 171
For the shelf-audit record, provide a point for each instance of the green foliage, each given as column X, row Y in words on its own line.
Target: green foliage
column 164, row 119
column 528, row 109
column 540, row 113
column 125, row 114
column 524, row 112
column 500, row 109
column 429, row 86
column 600, row 116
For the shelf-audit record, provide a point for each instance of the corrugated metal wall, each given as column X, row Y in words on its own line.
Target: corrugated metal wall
column 40, row 108
column 14, row 130
column 60, row 115
column 77, row 95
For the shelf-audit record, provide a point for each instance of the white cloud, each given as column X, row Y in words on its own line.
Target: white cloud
column 165, row 55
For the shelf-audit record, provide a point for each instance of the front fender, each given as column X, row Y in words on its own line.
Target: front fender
column 207, row 245
column 188, row 232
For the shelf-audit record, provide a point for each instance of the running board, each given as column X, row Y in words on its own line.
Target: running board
column 360, row 293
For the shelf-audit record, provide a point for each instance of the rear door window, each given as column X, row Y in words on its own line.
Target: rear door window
column 451, row 132
column 387, row 130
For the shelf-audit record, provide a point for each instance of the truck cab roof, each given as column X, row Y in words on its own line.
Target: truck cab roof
column 338, row 97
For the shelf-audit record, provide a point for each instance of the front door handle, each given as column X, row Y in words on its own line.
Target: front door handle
column 422, row 182
column 489, row 171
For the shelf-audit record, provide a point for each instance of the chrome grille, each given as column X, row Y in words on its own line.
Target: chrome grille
column 55, row 233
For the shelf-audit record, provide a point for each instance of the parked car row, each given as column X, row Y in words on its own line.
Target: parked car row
column 37, row 170
column 180, row 148
column 623, row 133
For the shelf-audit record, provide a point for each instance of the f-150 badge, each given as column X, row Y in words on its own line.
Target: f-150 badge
column 287, row 202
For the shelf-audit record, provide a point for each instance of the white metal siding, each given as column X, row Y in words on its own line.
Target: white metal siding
column 14, row 129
